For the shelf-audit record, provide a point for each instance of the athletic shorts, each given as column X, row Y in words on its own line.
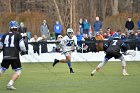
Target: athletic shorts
column 115, row 55
column 68, row 53
column 15, row 63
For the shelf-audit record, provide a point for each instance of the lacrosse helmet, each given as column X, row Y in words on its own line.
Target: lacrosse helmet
column 13, row 24
column 70, row 32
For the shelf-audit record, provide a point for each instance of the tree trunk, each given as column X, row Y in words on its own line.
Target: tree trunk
column 10, row 9
column 59, row 16
column 114, row 4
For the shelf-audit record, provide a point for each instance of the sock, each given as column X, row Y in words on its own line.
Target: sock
column 69, row 64
column 94, row 71
column 124, row 71
column 11, row 82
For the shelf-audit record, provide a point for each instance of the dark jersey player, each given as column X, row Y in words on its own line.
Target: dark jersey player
column 11, row 44
column 113, row 50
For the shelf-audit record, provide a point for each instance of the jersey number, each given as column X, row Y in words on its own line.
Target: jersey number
column 114, row 42
column 6, row 41
column 70, row 43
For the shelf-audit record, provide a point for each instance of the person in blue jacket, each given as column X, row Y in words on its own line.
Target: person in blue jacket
column 57, row 29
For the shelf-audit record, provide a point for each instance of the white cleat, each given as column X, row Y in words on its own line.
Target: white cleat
column 125, row 74
column 10, row 87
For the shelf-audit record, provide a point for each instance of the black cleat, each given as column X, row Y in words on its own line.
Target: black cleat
column 71, row 70
column 92, row 74
column 55, row 62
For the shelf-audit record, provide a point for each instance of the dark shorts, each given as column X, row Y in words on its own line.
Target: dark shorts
column 15, row 63
column 115, row 55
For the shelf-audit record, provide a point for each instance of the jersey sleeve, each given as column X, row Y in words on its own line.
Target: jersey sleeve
column 21, row 43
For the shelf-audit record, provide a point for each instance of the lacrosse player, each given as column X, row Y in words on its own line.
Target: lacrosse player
column 68, row 44
column 112, row 49
column 11, row 44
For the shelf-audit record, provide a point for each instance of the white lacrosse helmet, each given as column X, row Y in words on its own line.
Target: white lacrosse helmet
column 70, row 31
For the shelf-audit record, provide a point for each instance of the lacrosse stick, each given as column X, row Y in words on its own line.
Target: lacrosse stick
column 132, row 53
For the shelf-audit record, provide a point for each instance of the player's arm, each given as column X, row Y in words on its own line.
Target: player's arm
column 124, row 47
column 22, row 45
column 1, row 43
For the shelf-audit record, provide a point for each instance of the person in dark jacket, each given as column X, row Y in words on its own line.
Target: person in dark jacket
column 129, row 25
column 132, row 37
column 43, row 44
column 138, row 41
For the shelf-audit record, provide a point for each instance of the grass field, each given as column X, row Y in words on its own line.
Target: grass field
column 43, row 78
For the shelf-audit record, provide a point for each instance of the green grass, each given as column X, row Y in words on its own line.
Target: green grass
column 43, row 78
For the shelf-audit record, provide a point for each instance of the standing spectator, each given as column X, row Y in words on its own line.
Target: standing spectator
column 35, row 44
column 86, row 26
column 44, row 29
column 81, row 26
column 79, row 39
column 97, row 25
column 129, row 25
column 57, row 29
column 43, row 44
column 23, row 31
column 139, row 25
column 11, row 53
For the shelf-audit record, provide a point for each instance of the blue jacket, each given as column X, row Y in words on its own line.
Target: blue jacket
column 86, row 25
column 139, row 24
column 58, row 28
column 97, row 26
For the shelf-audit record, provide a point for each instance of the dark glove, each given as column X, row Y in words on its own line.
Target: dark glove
column 23, row 53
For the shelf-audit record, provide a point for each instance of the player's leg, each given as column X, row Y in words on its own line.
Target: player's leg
column 4, row 66
column 101, row 64
column 68, row 58
column 2, row 70
column 16, row 66
column 124, row 72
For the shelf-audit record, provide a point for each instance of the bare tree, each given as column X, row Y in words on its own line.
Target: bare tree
column 114, row 5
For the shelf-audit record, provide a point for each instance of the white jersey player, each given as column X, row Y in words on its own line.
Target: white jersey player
column 68, row 44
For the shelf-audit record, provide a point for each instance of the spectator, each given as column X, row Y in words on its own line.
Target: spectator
column 57, row 29
column 44, row 29
column 35, row 44
column 43, row 44
column 92, row 45
column 99, row 45
column 132, row 37
column 81, row 26
column 123, row 36
column 139, row 25
column 97, row 25
column 129, row 25
column 58, row 46
column 86, row 26
column 79, row 39
column 138, row 41
column 23, row 31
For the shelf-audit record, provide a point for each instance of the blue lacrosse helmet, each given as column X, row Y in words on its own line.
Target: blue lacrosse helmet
column 13, row 24
column 116, row 35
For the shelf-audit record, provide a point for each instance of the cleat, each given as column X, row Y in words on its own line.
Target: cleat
column 125, row 74
column 71, row 70
column 55, row 62
column 92, row 74
column 10, row 87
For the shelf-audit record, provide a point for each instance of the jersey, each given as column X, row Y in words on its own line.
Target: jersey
column 68, row 43
column 12, row 44
column 115, row 46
